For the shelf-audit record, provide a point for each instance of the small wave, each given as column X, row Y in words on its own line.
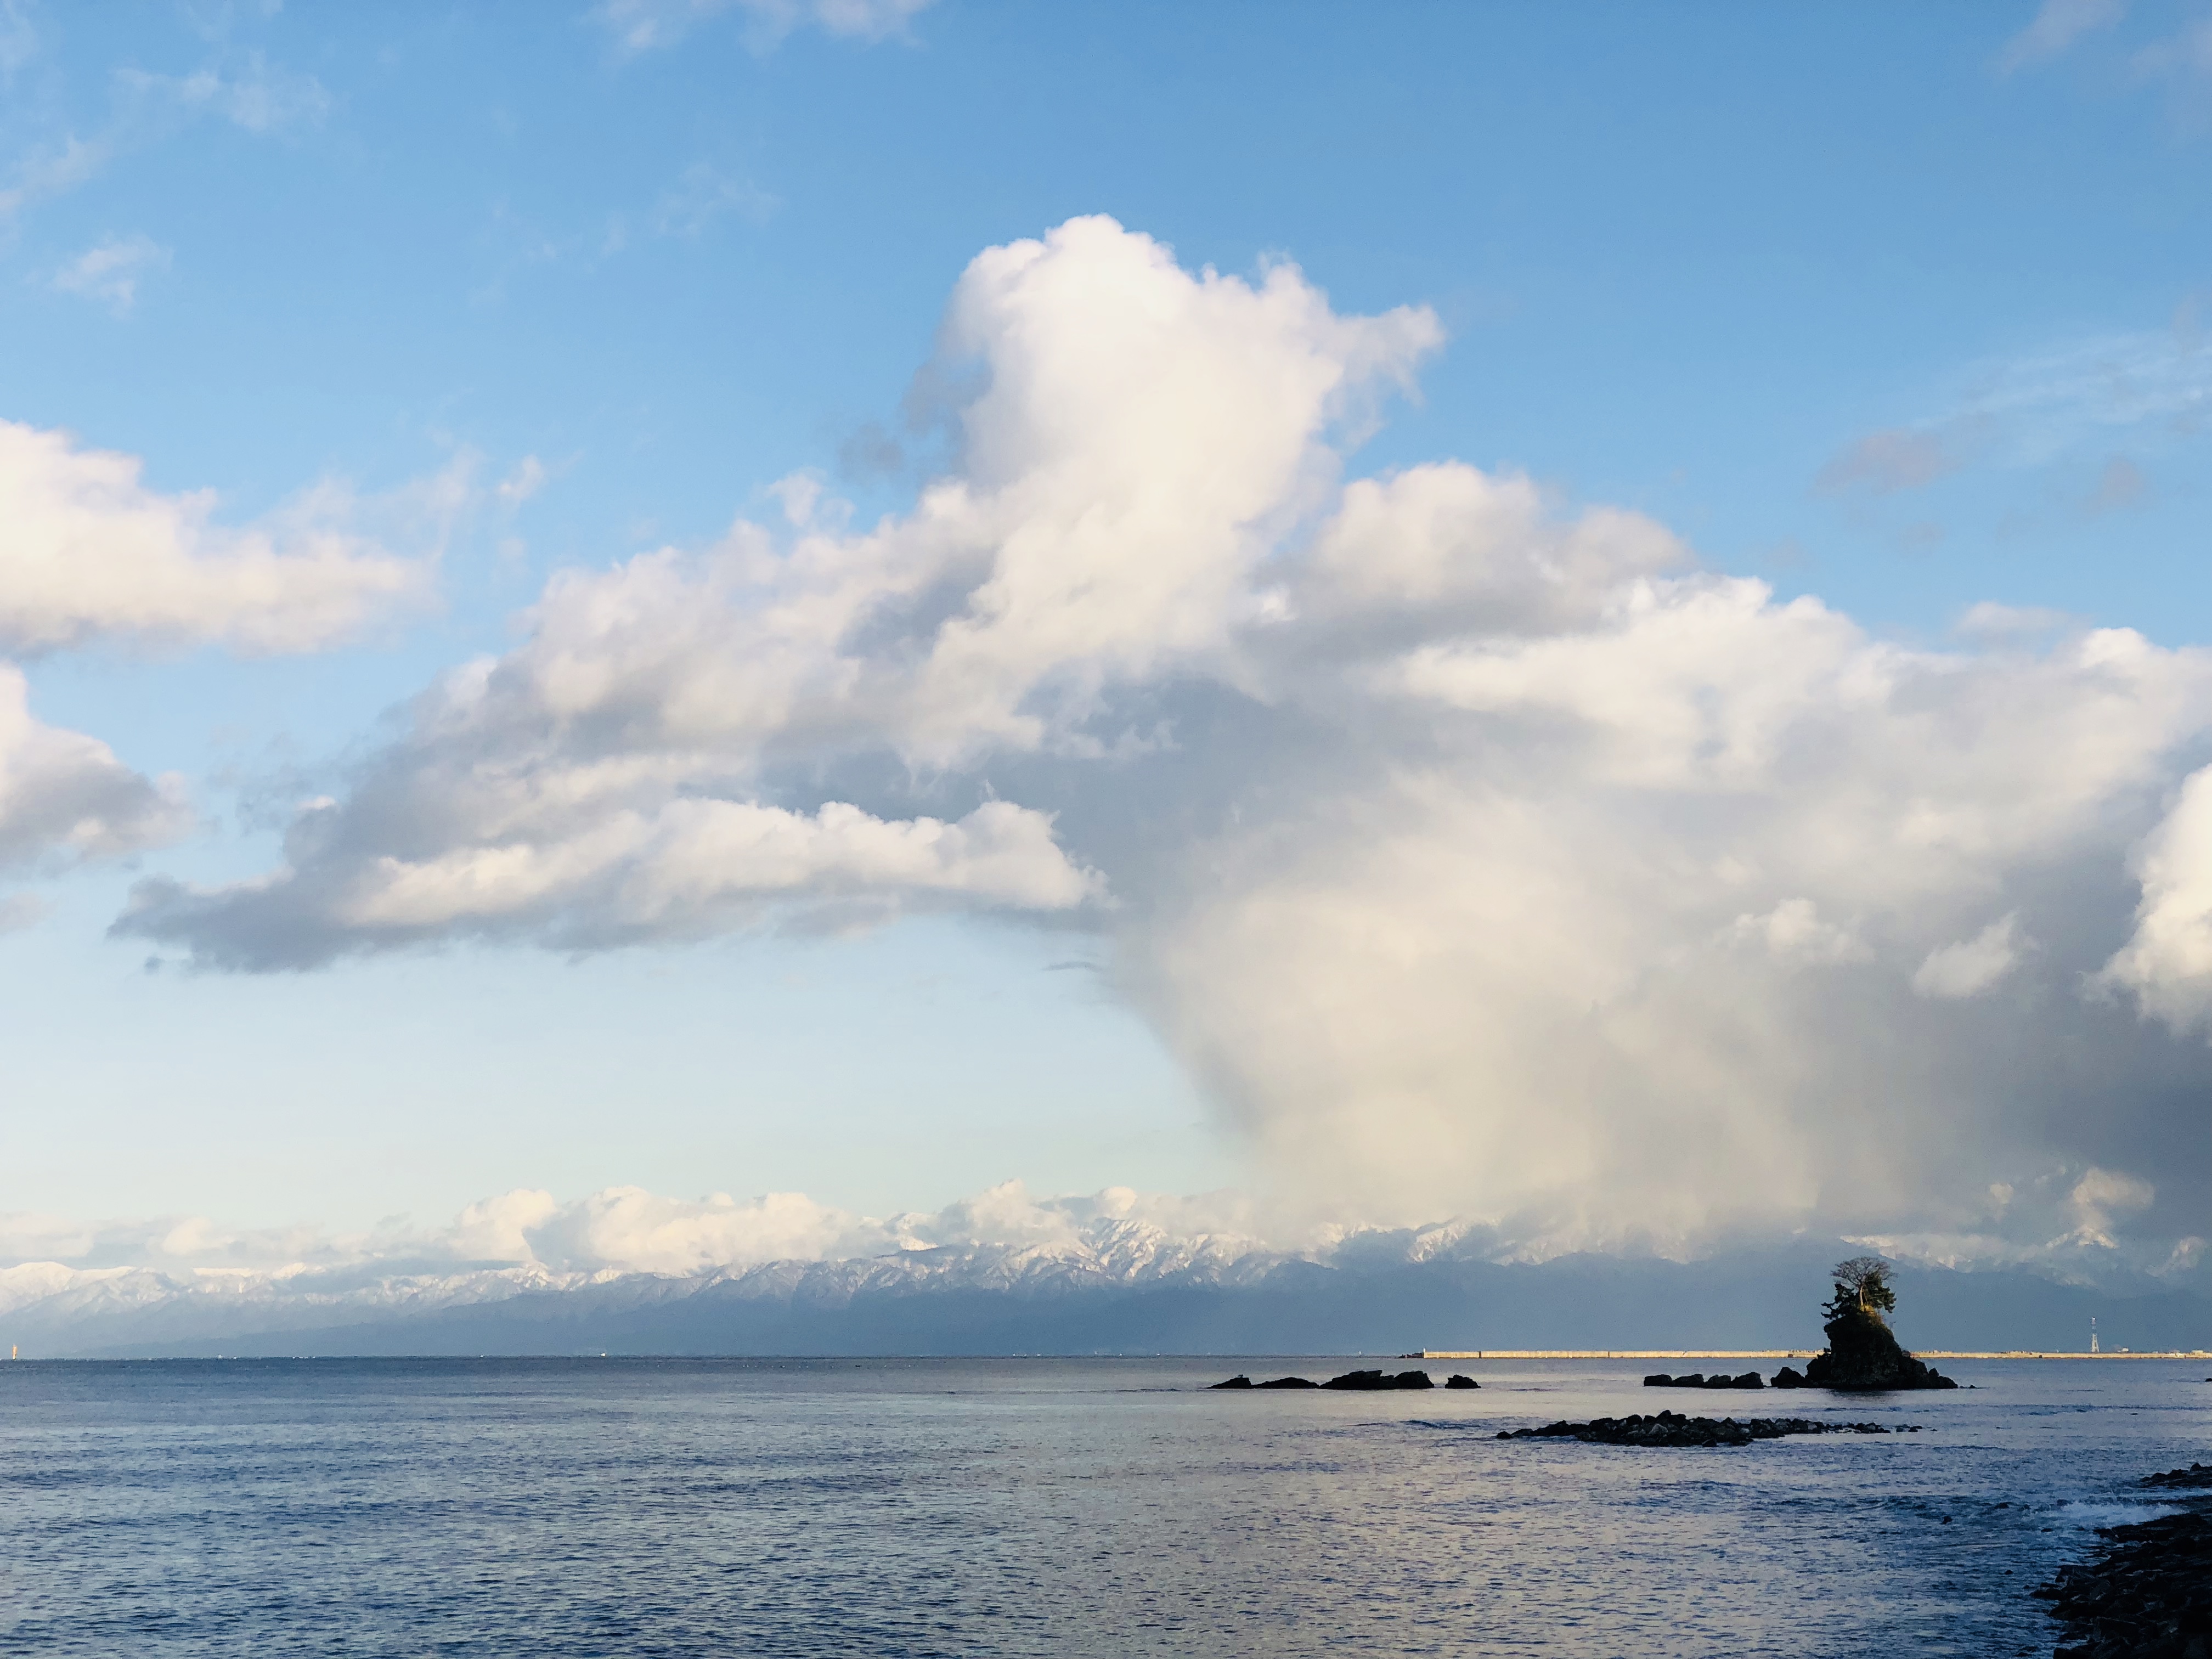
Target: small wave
column 2106, row 1514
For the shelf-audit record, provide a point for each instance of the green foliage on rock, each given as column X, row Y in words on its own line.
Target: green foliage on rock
column 1862, row 1283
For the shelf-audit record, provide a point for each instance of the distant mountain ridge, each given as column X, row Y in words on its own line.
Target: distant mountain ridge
column 1112, row 1285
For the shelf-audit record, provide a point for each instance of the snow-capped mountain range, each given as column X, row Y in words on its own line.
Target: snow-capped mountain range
column 626, row 1269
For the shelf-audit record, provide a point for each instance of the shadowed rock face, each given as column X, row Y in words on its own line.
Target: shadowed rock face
column 1862, row 1357
column 2146, row 1593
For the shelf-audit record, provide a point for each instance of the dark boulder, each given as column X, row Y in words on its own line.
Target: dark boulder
column 2197, row 1475
column 1862, row 1357
column 1368, row 1381
column 1658, row 1379
column 1287, row 1383
column 1239, row 1381
column 1789, row 1377
column 1456, row 1381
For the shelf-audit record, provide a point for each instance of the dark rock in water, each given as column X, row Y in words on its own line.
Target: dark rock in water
column 1863, row 1357
column 1699, row 1380
column 1287, row 1383
column 2148, row 1593
column 1673, row 1429
column 1239, row 1381
column 1658, row 1379
column 1746, row 1380
column 1790, row 1377
column 1456, row 1381
column 2197, row 1475
column 1369, row 1381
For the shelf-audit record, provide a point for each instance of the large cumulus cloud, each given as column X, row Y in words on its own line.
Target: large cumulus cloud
column 1485, row 857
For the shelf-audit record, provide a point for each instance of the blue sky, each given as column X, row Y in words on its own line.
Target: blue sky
column 1877, row 304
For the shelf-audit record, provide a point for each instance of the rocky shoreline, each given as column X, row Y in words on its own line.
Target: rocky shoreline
column 2147, row 1593
column 1673, row 1429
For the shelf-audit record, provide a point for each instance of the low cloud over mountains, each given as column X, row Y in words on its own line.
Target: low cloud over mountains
column 629, row 1271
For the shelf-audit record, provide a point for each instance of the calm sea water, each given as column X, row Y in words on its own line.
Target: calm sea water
column 613, row 1507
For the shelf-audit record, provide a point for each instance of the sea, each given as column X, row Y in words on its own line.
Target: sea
column 638, row 1507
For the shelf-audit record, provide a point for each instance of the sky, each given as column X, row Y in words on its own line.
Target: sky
column 1591, row 619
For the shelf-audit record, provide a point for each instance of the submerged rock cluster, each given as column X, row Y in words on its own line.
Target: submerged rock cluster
column 1699, row 1380
column 1673, row 1429
column 1355, row 1382
column 2148, row 1593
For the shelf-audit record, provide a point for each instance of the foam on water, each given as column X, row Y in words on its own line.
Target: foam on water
column 2105, row 1513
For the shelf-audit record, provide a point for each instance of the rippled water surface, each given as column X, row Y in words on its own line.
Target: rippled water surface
column 608, row 1507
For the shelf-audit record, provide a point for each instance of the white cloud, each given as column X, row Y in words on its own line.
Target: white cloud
column 1793, row 932
column 626, row 1229
column 110, row 270
column 246, row 90
column 1987, row 619
column 1094, row 539
column 1455, row 838
column 1448, row 540
column 19, row 36
column 2065, row 403
column 645, row 25
column 91, row 551
column 2188, row 53
column 54, row 170
column 1884, row 463
column 2167, row 965
column 703, row 195
column 198, row 1276
column 65, row 796
column 2056, row 26
column 253, row 94
column 527, row 479
column 2101, row 1195
column 690, row 869
column 1972, row 966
